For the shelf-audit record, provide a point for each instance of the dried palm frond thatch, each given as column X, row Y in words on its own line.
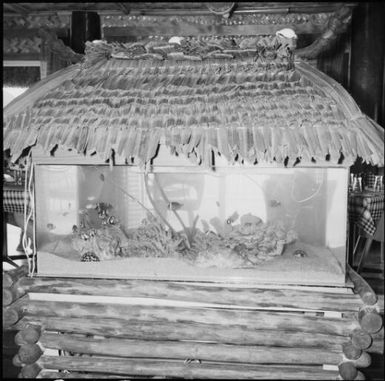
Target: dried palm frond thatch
column 243, row 99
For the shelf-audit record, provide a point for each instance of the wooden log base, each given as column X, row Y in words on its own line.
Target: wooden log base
column 163, row 331
column 359, row 376
column 30, row 334
column 144, row 367
column 362, row 288
column 252, row 297
column 30, row 371
column 361, row 339
column 377, row 346
column 29, row 353
column 363, row 361
column 76, row 375
column 9, row 295
column 16, row 361
column 140, row 313
column 350, row 351
column 190, row 350
column 10, row 277
column 347, row 370
column 10, row 317
column 369, row 319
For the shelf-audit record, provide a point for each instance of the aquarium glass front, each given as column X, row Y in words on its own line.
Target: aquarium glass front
column 281, row 225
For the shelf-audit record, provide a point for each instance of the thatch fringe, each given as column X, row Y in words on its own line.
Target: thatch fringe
column 234, row 108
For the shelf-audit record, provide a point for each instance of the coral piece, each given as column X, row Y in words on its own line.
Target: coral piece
column 89, row 256
column 106, row 242
column 152, row 239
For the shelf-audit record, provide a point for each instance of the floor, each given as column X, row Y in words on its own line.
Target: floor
column 373, row 273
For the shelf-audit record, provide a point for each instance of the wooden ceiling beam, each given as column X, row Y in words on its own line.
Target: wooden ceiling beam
column 17, row 8
column 31, row 32
column 124, row 7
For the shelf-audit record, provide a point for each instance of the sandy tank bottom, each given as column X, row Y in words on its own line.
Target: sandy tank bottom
column 318, row 267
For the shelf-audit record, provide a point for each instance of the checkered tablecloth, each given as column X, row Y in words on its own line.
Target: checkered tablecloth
column 365, row 210
column 13, row 199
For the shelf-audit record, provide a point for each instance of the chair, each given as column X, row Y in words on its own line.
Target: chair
column 378, row 236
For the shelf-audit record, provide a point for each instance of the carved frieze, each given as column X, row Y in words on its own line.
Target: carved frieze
column 17, row 45
column 112, row 21
column 52, row 21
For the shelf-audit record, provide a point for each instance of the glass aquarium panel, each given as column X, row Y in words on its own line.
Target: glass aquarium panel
column 283, row 225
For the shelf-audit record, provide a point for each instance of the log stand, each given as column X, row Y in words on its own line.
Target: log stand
column 109, row 328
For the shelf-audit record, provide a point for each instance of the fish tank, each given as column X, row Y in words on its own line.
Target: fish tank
column 232, row 224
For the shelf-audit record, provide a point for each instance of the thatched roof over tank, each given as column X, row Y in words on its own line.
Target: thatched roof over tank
column 242, row 98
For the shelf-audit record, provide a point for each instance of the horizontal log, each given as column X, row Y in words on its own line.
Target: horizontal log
column 351, row 352
column 162, row 331
column 378, row 335
column 180, row 369
column 11, row 276
column 369, row 319
column 347, row 370
column 30, row 371
column 377, row 346
column 251, row 319
column 16, row 361
column 190, row 350
column 361, row 339
column 9, row 296
column 360, row 376
column 13, row 313
column 10, row 317
column 362, row 288
column 29, row 334
column 363, row 361
column 245, row 297
column 29, row 353
column 71, row 375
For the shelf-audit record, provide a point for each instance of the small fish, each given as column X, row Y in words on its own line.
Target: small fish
column 174, row 205
column 102, row 214
column 91, row 206
column 218, row 204
column 69, row 205
column 101, row 177
column 300, row 253
column 91, row 198
column 232, row 218
column 112, row 220
column 51, row 226
column 274, row 203
column 189, row 361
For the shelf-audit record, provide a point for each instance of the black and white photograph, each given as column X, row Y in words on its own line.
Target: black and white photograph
column 193, row 190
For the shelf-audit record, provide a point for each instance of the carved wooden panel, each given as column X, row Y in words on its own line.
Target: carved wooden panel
column 52, row 21
column 245, row 24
